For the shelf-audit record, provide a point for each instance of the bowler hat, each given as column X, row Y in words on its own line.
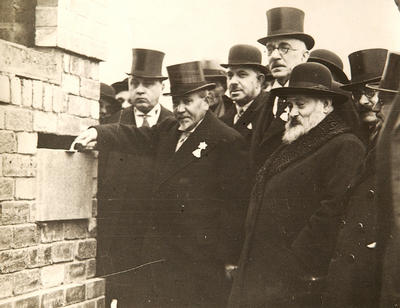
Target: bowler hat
column 312, row 79
column 106, row 90
column 332, row 61
column 187, row 78
column 366, row 66
column 212, row 70
column 286, row 22
column 120, row 86
column 246, row 55
column 390, row 81
column 147, row 63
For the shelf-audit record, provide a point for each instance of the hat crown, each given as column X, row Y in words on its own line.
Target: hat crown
column 244, row 54
column 367, row 64
column 391, row 73
column 312, row 76
column 326, row 55
column 106, row 90
column 285, row 20
column 212, row 68
column 147, row 63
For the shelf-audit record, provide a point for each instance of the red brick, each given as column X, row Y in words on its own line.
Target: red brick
column 51, row 231
column 86, row 249
column 6, row 283
column 6, row 188
column 25, row 235
column 26, row 281
column 53, row 299
column 52, row 275
column 91, row 268
column 13, row 260
column 27, row 142
column 16, row 91
column 6, row 236
column 5, row 89
column 76, row 229
column 75, row 272
column 8, row 142
column 28, row 302
column 14, row 212
column 27, row 92
column 25, row 188
column 47, row 97
column 37, row 98
column 18, row 165
column 45, row 122
column 90, row 88
column 62, row 252
column 95, row 287
column 39, row 256
column 75, row 294
column 18, row 119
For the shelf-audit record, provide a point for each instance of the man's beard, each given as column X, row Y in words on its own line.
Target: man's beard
column 299, row 126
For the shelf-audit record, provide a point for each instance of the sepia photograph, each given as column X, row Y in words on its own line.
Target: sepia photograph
column 199, row 154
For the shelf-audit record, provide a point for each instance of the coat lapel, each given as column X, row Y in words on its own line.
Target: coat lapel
column 250, row 114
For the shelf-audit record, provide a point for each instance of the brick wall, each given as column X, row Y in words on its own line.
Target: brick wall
column 44, row 90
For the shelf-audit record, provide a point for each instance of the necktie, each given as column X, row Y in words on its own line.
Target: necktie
column 145, row 123
column 182, row 139
column 239, row 113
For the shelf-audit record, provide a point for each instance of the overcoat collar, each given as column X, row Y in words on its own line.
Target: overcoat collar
column 172, row 162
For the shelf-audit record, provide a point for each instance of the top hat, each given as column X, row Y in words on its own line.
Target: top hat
column 187, row 78
column 286, row 22
column 212, row 70
column 366, row 66
column 332, row 61
column 246, row 55
column 147, row 63
column 312, row 79
column 120, row 86
column 390, row 81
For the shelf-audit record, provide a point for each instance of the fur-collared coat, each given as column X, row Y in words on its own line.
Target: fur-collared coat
column 293, row 217
column 195, row 193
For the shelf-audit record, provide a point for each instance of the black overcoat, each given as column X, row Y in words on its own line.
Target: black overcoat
column 293, row 216
column 194, row 198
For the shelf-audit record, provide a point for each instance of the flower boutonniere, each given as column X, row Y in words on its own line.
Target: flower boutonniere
column 202, row 146
column 285, row 114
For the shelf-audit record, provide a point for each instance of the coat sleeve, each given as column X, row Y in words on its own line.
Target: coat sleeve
column 315, row 243
column 128, row 138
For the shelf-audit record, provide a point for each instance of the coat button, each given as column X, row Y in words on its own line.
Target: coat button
column 371, row 194
column 342, row 223
column 360, row 226
column 351, row 258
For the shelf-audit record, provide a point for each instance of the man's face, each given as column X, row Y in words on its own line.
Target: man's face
column 216, row 94
column 366, row 101
column 124, row 98
column 284, row 54
column 305, row 112
column 385, row 104
column 244, row 84
column 144, row 92
column 190, row 109
column 107, row 107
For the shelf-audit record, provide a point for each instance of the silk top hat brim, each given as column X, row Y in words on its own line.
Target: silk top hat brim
column 188, row 89
column 316, row 91
column 351, row 86
column 148, row 76
column 376, row 87
column 307, row 39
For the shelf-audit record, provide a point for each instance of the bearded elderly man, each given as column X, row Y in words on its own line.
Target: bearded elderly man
column 292, row 220
column 287, row 46
column 201, row 173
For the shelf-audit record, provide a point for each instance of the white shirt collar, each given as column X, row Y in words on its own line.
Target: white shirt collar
column 245, row 107
column 151, row 117
column 276, row 84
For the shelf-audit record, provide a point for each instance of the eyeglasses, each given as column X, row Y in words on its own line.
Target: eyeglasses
column 282, row 48
column 369, row 93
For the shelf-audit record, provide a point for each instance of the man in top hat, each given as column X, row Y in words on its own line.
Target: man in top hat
column 122, row 93
column 219, row 102
column 125, row 179
column 366, row 66
column 357, row 260
column 246, row 76
column 292, row 222
column 201, row 172
column 287, row 46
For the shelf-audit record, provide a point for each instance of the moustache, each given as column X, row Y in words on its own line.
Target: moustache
column 277, row 64
column 294, row 122
column 234, row 88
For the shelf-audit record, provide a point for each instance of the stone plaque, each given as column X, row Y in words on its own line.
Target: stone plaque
column 64, row 185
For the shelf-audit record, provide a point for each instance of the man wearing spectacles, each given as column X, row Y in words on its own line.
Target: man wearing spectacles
column 366, row 66
column 287, row 46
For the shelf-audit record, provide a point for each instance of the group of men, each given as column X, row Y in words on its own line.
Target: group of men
column 264, row 198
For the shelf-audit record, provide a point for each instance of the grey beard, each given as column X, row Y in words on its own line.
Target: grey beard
column 292, row 133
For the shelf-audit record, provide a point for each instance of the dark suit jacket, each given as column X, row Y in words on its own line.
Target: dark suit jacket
column 293, row 216
column 248, row 121
column 194, row 199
